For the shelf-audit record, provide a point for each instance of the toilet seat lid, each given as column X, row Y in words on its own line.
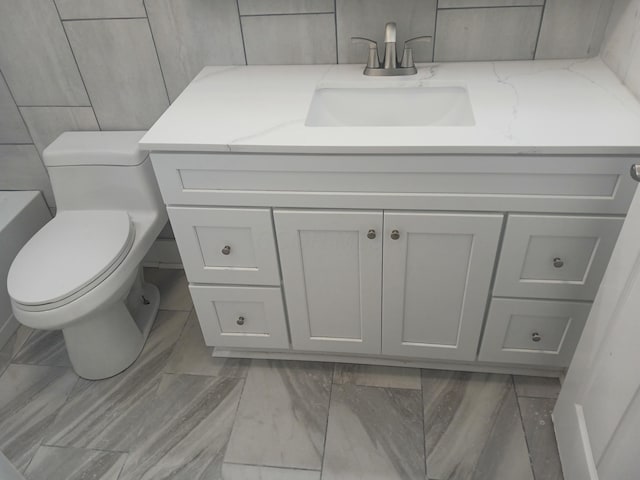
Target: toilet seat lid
column 69, row 253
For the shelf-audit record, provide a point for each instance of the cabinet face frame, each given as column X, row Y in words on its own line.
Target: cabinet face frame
column 482, row 232
column 298, row 270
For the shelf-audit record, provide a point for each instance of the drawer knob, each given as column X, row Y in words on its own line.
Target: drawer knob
column 226, row 250
column 558, row 262
column 635, row 172
column 395, row 235
column 240, row 321
column 536, row 337
column 371, row 234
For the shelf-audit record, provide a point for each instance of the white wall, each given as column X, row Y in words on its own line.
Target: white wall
column 621, row 48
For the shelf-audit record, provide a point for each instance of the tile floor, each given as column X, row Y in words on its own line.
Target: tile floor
column 177, row 413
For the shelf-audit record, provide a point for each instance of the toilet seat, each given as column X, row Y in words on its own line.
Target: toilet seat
column 69, row 256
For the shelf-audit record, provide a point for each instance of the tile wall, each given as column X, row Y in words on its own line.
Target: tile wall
column 621, row 50
column 117, row 64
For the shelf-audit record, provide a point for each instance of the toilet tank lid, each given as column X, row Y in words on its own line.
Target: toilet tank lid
column 95, row 148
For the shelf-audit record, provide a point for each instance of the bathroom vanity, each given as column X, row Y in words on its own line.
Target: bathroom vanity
column 322, row 214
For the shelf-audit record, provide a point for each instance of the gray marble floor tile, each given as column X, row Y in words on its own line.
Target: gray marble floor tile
column 374, row 433
column 120, row 67
column 108, row 414
column 35, row 57
column 13, row 345
column 44, row 347
column 173, row 285
column 282, row 416
column 30, row 398
column 233, row 471
column 377, row 376
column 47, row 123
column 187, row 429
column 541, row 439
column 192, row 34
column 267, row 39
column 192, row 356
column 55, row 463
column 472, row 427
column 536, row 386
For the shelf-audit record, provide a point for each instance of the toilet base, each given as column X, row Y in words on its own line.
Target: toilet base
column 110, row 340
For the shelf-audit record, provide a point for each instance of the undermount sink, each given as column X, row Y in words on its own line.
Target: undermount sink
column 390, row 107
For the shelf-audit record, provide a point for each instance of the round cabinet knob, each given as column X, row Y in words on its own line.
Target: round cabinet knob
column 226, row 250
column 558, row 262
column 536, row 337
column 635, row 172
column 240, row 321
column 371, row 234
column 395, row 235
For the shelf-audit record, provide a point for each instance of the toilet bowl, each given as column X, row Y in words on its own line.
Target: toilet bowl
column 81, row 272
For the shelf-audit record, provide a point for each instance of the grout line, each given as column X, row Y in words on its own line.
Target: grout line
column 244, row 46
column 491, row 7
column 326, row 428
column 424, row 428
column 99, row 19
column 73, row 54
column 295, row 469
column 26, row 127
column 155, row 47
column 524, row 432
column 335, row 23
column 435, row 31
column 544, row 11
column 284, row 14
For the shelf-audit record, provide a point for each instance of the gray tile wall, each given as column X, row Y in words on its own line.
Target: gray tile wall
column 117, row 64
column 621, row 49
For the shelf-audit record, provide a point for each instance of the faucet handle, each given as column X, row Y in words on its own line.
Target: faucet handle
column 373, row 61
column 407, row 54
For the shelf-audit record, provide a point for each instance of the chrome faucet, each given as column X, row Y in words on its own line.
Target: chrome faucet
column 390, row 65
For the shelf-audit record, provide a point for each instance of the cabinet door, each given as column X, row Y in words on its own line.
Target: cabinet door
column 332, row 273
column 437, row 274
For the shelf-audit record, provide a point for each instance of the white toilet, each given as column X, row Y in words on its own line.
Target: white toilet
column 81, row 272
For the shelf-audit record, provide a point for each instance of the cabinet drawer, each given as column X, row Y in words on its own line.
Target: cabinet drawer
column 534, row 332
column 226, row 245
column 251, row 317
column 555, row 256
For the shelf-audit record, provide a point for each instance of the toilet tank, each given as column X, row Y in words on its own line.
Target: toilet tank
column 102, row 171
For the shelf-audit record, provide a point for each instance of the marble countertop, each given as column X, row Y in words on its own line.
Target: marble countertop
column 556, row 106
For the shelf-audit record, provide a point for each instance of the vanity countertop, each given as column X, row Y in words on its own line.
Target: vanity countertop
column 556, row 106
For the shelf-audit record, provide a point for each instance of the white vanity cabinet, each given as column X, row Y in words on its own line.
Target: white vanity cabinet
column 488, row 261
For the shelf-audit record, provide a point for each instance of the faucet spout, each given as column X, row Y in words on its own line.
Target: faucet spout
column 390, row 32
column 390, row 54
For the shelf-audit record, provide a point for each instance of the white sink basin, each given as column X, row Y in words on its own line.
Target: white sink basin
column 390, row 107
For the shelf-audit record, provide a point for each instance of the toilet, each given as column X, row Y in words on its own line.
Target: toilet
column 81, row 273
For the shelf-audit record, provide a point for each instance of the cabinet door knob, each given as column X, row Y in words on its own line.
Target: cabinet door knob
column 558, row 262
column 240, row 321
column 635, row 172
column 395, row 235
column 536, row 337
column 371, row 234
column 226, row 250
